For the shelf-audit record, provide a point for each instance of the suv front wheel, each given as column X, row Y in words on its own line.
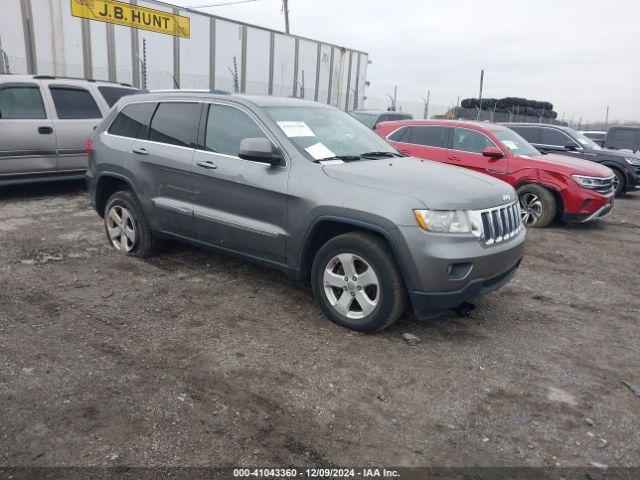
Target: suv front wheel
column 537, row 206
column 357, row 282
column 127, row 229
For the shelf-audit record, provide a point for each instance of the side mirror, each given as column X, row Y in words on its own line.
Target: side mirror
column 492, row 152
column 571, row 147
column 260, row 150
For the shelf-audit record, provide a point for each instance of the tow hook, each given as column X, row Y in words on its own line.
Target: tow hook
column 464, row 309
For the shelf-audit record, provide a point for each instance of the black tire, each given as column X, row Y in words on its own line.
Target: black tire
column 538, row 205
column 144, row 244
column 621, row 185
column 391, row 294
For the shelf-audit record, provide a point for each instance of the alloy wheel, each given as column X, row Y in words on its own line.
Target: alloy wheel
column 351, row 286
column 616, row 183
column 121, row 228
column 530, row 208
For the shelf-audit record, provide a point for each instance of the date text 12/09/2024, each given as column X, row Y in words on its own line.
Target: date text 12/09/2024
column 315, row 473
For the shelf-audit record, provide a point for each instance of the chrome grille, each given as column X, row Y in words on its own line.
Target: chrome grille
column 497, row 225
column 606, row 186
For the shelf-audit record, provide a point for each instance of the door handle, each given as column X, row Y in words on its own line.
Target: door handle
column 45, row 130
column 454, row 159
column 208, row 164
column 140, row 150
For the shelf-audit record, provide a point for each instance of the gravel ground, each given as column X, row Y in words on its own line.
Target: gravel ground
column 193, row 358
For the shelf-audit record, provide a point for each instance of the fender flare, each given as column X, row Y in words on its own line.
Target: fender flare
column 395, row 249
column 118, row 176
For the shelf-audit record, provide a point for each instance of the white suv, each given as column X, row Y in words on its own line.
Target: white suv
column 45, row 123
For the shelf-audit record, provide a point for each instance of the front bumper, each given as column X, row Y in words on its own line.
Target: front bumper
column 450, row 269
column 602, row 212
column 426, row 305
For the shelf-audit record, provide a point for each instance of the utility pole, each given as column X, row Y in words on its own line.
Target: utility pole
column 426, row 105
column 3, row 62
column 481, row 84
column 393, row 99
column 606, row 120
column 285, row 8
column 144, row 64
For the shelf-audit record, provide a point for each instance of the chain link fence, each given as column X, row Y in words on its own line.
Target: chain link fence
column 418, row 109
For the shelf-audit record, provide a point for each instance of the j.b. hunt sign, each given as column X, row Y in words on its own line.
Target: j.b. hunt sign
column 128, row 15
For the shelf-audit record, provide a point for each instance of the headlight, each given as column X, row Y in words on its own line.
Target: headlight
column 633, row 161
column 443, row 221
column 592, row 183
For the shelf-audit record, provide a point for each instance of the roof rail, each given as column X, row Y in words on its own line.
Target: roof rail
column 190, row 90
column 92, row 80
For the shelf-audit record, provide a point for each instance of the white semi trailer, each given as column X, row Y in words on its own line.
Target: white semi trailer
column 161, row 46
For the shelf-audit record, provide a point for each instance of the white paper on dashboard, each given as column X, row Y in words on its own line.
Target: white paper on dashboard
column 510, row 145
column 296, row 129
column 319, row 151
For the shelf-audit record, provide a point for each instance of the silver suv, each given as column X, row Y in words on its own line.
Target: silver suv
column 45, row 123
column 306, row 188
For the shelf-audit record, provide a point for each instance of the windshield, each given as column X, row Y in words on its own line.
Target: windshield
column 515, row 143
column 369, row 119
column 585, row 142
column 325, row 132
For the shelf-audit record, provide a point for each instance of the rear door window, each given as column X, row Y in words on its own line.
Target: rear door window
column 175, row 123
column 551, row 136
column 430, row 136
column 624, row 135
column 112, row 94
column 530, row 134
column 133, row 120
column 21, row 102
column 74, row 103
column 403, row 134
column 399, row 116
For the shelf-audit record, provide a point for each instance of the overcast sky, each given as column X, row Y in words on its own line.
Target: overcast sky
column 581, row 55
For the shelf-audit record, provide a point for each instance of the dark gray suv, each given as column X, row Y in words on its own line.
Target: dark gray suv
column 306, row 188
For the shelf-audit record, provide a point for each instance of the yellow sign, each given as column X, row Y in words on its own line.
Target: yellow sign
column 112, row 11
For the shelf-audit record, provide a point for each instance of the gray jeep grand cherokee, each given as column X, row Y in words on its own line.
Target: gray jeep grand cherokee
column 306, row 188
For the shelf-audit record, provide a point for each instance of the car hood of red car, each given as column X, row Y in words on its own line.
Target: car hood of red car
column 572, row 165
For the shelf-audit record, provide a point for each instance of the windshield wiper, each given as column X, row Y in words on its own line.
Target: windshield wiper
column 344, row 158
column 369, row 155
column 382, row 154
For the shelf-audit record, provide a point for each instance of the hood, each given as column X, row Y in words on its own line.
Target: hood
column 576, row 165
column 439, row 186
column 604, row 153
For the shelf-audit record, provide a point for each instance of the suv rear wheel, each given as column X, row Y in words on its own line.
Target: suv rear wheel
column 127, row 229
column 357, row 282
column 537, row 206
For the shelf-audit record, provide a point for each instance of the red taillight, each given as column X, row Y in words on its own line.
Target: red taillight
column 89, row 147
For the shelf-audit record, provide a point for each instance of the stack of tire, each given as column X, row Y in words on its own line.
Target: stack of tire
column 513, row 105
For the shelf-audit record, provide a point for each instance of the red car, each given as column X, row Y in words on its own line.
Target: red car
column 549, row 186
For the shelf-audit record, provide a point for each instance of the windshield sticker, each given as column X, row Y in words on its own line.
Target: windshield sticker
column 296, row 129
column 318, row 151
column 510, row 145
